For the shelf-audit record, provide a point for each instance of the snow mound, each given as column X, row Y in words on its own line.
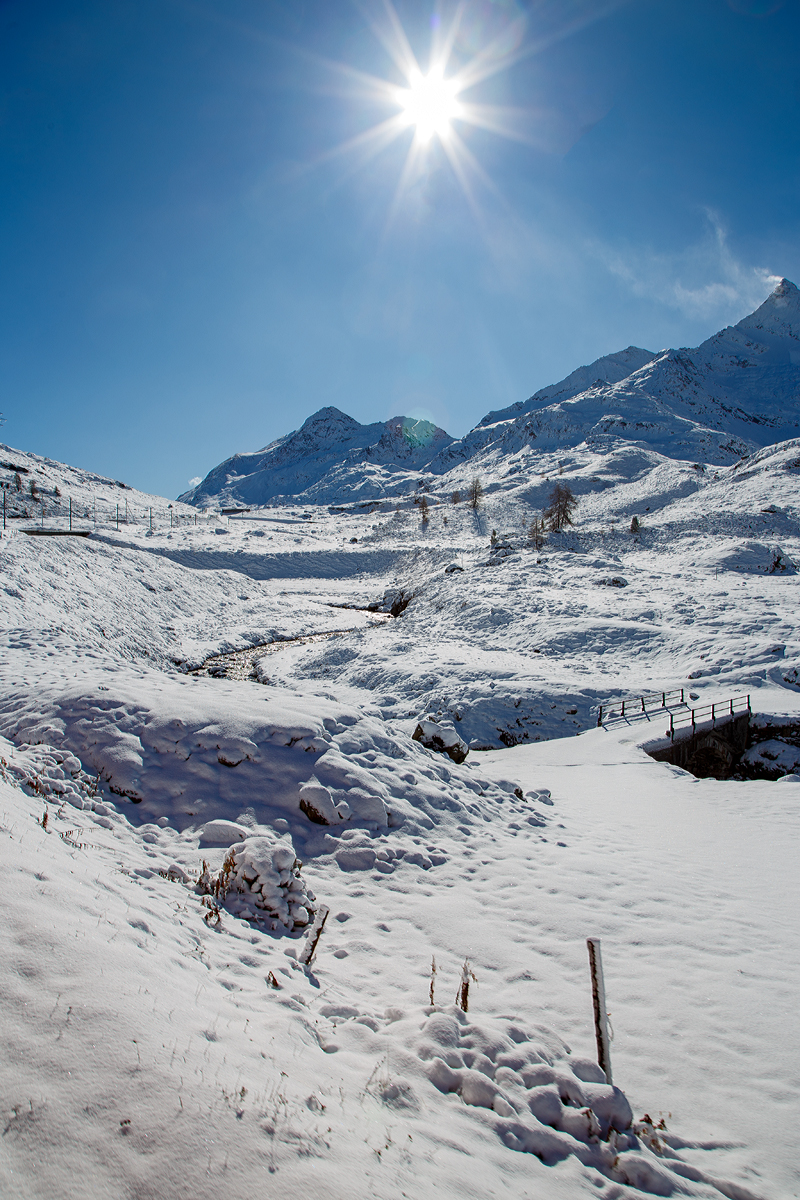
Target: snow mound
column 198, row 751
column 55, row 775
column 525, row 1085
column 221, row 833
column 260, row 881
column 749, row 557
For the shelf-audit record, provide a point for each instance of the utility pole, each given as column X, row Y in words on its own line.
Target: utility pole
column 117, row 518
column 70, row 514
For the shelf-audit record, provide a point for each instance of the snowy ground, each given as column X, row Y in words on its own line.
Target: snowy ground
column 146, row 1050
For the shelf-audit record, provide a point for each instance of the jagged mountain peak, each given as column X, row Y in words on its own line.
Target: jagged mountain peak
column 779, row 315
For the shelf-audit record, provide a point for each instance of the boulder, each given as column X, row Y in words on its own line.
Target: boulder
column 439, row 734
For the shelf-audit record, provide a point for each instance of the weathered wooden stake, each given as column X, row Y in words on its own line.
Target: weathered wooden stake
column 306, row 956
column 599, row 1005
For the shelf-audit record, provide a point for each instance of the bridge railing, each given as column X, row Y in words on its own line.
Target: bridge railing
column 638, row 706
column 720, row 711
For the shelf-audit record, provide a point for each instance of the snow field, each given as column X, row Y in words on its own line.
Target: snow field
column 338, row 1064
column 691, row 885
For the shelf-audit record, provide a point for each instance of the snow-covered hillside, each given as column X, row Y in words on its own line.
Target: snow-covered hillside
column 168, row 694
column 41, row 490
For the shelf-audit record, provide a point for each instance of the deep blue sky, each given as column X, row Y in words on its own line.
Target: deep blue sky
column 186, row 271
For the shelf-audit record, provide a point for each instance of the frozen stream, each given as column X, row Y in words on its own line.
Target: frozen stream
column 240, row 664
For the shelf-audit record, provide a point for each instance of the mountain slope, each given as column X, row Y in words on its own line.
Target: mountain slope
column 611, row 368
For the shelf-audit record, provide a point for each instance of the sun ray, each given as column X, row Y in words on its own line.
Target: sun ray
column 374, row 139
column 441, row 53
column 463, row 160
column 506, row 121
column 393, row 39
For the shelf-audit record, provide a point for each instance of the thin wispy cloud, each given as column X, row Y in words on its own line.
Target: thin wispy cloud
column 705, row 280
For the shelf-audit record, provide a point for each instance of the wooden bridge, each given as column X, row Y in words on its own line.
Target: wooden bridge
column 682, row 718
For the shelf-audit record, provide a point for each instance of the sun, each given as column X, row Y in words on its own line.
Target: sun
column 430, row 103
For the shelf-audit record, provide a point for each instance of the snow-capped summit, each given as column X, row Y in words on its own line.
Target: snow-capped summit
column 331, row 457
column 778, row 316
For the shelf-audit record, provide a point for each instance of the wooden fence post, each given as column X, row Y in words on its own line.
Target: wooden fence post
column 599, row 1005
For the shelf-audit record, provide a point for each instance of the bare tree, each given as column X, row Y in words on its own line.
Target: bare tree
column 561, row 506
column 537, row 532
column 424, row 510
column 456, row 497
column 635, row 526
column 475, row 493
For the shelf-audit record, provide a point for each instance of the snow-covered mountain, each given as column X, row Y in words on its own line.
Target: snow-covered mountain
column 331, row 456
column 184, row 701
column 736, row 393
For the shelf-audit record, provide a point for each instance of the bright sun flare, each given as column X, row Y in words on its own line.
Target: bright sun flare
column 429, row 104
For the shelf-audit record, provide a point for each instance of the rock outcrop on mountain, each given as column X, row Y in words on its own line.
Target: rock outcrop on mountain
column 734, row 394
column 331, row 457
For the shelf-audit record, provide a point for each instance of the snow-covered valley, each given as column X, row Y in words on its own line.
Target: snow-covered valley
column 167, row 694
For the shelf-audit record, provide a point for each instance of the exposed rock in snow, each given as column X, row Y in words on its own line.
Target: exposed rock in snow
column 436, row 733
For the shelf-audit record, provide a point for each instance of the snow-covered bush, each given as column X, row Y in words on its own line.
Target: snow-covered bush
column 260, row 880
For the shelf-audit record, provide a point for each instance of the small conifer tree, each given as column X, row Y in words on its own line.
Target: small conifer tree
column 561, row 506
column 475, row 493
